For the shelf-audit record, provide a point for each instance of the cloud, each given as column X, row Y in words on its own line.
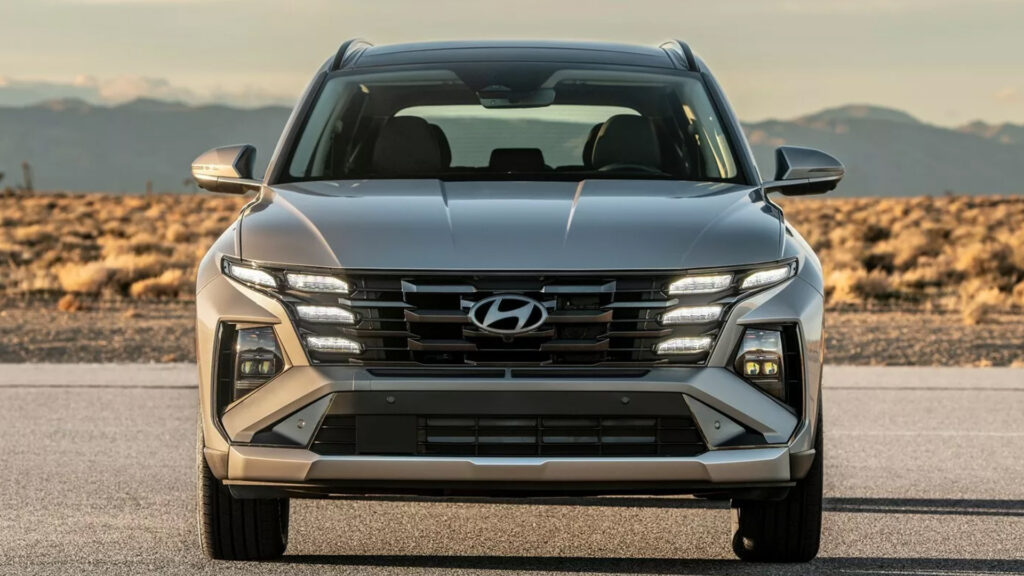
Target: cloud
column 126, row 88
column 1008, row 95
column 121, row 89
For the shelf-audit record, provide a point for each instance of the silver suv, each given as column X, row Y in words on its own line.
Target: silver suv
column 511, row 268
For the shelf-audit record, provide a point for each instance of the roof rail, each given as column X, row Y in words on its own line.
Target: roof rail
column 682, row 50
column 346, row 51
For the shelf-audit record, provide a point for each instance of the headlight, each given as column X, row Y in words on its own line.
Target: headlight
column 249, row 275
column 759, row 360
column 703, row 284
column 317, row 283
column 333, row 344
column 325, row 314
column 767, row 277
column 691, row 345
column 691, row 315
column 257, row 359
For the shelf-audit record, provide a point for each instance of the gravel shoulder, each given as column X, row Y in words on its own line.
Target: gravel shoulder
column 162, row 331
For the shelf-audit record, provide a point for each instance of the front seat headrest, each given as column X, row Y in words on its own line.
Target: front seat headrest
column 588, row 146
column 517, row 160
column 627, row 139
column 442, row 142
column 406, row 145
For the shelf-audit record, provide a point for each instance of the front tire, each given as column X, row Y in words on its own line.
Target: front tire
column 787, row 530
column 236, row 529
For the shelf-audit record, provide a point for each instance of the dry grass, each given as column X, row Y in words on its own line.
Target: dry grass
column 959, row 254
column 70, row 303
column 105, row 246
column 170, row 283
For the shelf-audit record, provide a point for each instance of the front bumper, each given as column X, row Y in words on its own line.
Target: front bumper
column 746, row 436
column 284, row 465
column 779, row 450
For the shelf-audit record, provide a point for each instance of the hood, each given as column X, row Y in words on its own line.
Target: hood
column 542, row 226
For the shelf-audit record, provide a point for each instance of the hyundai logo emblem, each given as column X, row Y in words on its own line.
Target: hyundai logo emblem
column 508, row 314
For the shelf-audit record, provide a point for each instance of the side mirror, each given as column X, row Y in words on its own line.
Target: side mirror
column 801, row 171
column 227, row 169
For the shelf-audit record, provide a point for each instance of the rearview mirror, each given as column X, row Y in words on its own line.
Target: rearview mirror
column 227, row 169
column 505, row 97
column 802, row 171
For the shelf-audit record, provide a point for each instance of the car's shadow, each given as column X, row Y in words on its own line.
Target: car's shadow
column 926, row 506
column 577, row 565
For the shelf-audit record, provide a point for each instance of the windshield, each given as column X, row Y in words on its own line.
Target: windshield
column 512, row 121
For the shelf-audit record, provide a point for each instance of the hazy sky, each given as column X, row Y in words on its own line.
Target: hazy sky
column 946, row 62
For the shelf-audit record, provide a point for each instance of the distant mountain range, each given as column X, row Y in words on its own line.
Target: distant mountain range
column 73, row 145
column 890, row 153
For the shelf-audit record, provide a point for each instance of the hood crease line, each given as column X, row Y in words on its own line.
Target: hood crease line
column 572, row 211
column 447, row 211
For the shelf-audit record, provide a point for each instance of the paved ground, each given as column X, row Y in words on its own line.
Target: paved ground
column 925, row 475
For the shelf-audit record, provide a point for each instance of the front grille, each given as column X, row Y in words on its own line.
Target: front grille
column 424, row 320
column 518, row 435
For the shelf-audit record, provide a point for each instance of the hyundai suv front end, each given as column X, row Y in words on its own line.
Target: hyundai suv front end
column 511, row 268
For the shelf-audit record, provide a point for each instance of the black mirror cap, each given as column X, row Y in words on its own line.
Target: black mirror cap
column 226, row 169
column 803, row 171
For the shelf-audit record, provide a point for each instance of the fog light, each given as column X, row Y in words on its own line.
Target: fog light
column 257, row 359
column 317, row 283
column 691, row 345
column 691, row 315
column 325, row 314
column 333, row 344
column 704, row 284
column 247, row 368
column 759, row 360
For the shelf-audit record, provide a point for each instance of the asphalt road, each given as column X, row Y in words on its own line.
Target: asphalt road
column 924, row 475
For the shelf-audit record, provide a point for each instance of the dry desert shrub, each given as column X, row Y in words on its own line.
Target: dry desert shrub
column 70, row 303
column 917, row 250
column 1018, row 294
column 105, row 244
column 980, row 301
column 177, row 234
column 856, row 285
column 32, row 280
column 33, row 235
column 985, row 258
column 169, row 284
column 127, row 268
column 87, row 278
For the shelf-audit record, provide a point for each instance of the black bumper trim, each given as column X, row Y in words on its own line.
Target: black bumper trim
column 509, row 403
column 748, row 490
column 508, row 423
